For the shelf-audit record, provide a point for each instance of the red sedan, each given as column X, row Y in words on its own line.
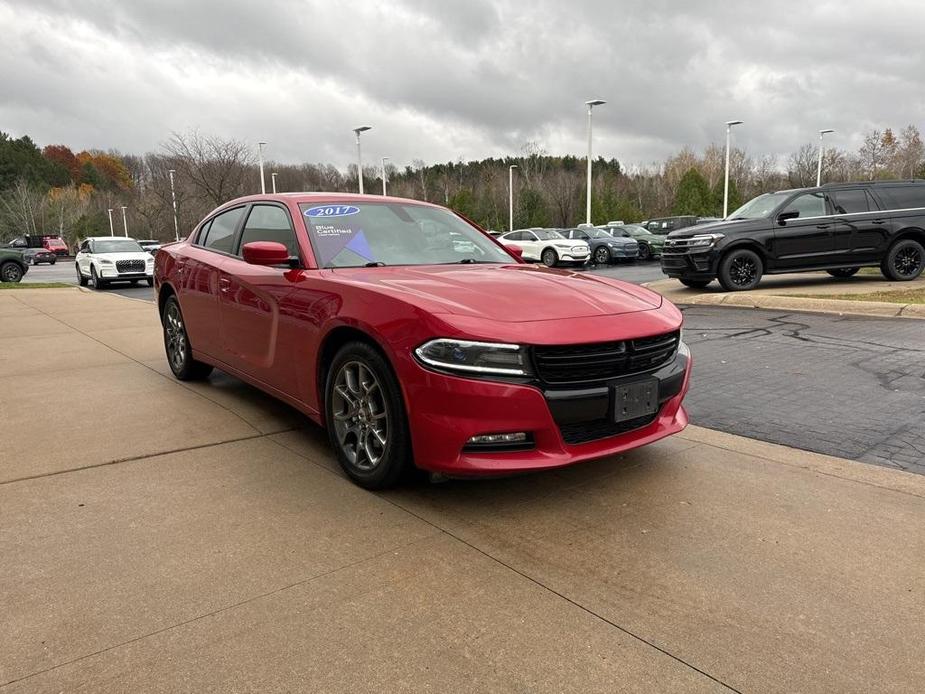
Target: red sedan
column 416, row 339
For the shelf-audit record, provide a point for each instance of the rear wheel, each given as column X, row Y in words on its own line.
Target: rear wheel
column 177, row 345
column 53, row 261
column 365, row 417
column 694, row 284
column 549, row 257
column 740, row 270
column 843, row 272
column 10, row 272
column 645, row 252
column 904, row 261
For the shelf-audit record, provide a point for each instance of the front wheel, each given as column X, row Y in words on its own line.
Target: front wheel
column 602, row 256
column 53, row 261
column 904, row 261
column 365, row 417
column 843, row 272
column 97, row 282
column 10, row 272
column 177, row 345
column 81, row 280
column 549, row 257
column 150, row 281
column 740, row 270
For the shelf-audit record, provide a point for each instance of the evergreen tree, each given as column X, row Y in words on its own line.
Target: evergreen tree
column 693, row 196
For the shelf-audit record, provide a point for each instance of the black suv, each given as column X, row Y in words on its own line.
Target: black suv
column 838, row 228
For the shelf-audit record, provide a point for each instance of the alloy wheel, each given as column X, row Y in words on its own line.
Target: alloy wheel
column 175, row 333
column 908, row 261
column 601, row 256
column 11, row 273
column 361, row 415
column 743, row 271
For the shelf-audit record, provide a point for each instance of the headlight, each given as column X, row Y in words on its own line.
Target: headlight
column 475, row 357
column 104, row 261
column 703, row 240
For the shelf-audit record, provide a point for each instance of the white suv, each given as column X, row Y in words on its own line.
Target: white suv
column 548, row 246
column 105, row 259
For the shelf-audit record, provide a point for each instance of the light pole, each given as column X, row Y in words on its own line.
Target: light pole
column 361, row 129
column 819, row 165
column 384, row 160
column 729, row 124
column 263, row 184
column 273, row 180
column 124, row 223
column 510, row 196
column 173, row 196
column 111, row 232
column 590, row 104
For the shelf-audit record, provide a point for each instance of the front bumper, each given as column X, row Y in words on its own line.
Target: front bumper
column 690, row 264
column 567, row 425
column 110, row 273
column 624, row 251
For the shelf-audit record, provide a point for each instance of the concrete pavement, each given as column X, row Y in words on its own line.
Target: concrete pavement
column 201, row 538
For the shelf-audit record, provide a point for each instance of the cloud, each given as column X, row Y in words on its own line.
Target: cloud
column 445, row 80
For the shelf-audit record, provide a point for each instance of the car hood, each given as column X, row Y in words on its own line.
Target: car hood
column 503, row 293
column 620, row 241
column 721, row 227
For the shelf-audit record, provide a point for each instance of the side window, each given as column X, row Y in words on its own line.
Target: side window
column 808, row 205
column 849, row 201
column 269, row 223
column 513, row 236
column 221, row 232
column 529, row 236
column 580, row 235
column 903, row 197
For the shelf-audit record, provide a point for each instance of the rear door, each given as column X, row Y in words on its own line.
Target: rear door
column 861, row 228
column 257, row 337
column 809, row 239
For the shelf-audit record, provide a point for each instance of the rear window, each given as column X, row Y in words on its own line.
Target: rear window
column 902, row 197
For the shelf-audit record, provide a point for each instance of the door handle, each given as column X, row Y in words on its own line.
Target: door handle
column 224, row 285
column 879, row 221
column 823, row 226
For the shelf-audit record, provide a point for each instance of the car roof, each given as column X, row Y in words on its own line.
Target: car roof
column 316, row 196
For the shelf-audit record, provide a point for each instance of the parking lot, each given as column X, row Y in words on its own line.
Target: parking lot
column 169, row 536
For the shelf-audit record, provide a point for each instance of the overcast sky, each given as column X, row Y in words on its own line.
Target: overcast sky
column 448, row 79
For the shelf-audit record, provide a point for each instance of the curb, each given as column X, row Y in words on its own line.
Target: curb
column 839, row 307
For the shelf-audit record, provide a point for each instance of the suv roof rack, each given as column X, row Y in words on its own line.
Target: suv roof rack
column 873, row 183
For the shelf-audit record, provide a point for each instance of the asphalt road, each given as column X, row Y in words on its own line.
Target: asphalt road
column 844, row 386
column 63, row 271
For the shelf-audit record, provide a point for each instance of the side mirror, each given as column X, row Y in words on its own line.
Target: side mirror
column 265, row 253
column 784, row 216
column 516, row 251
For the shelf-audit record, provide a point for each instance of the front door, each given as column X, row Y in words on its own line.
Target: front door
column 808, row 239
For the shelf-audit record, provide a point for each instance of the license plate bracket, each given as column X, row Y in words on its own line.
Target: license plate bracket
column 634, row 400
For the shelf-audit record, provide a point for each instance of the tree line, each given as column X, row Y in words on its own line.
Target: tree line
column 53, row 190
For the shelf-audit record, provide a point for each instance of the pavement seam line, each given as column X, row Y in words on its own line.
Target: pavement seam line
column 220, row 610
column 527, row 577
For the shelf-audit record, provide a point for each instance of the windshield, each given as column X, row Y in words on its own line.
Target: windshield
column 372, row 234
column 547, row 234
column 116, row 246
column 597, row 233
column 759, row 207
column 635, row 230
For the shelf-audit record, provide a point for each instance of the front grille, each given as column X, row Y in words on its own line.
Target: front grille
column 127, row 266
column 584, row 432
column 603, row 360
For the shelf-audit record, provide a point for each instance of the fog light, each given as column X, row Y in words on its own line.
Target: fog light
column 516, row 437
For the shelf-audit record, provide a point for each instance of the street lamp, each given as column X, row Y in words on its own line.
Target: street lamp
column 819, row 165
column 510, row 196
column 111, row 232
column 729, row 124
column 384, row 160
column 361, row 129
column 263, row 184
column 590, row 104
column 124, row 223
column 273, row 180
column 173, row 196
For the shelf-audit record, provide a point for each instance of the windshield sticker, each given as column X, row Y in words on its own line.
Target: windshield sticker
column 333, row 239
column 331, row 211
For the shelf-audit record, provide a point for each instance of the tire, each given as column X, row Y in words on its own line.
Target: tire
column 549, row 257
column 81, row 280
column 11, row 272
column 740, row 270
column 150, row 281
column 645, row 252
column 843, row 272
column 134, row 283
column 177, row 345
column 694, row 284
column 601, row 256
column 95, row 278
column 904, row 261
column 363, row 405
column 52, row 261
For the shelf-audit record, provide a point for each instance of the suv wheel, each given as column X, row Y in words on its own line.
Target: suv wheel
column 10, row 272
column 177, row 346
column 81, row 280
column 843, row 272
column 740, row 269
column 365, row 417
column 601, row 255
column 904, row 261
column 645, row 252
column 97, row 282
column 549, row 257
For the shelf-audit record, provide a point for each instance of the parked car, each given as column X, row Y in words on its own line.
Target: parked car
column 665, row 225
column 37, row 256
column 51, row 242
column 837, row 228
column 547, row 246
column 412, row 352
column 605, row 249
column 56, row 245
column 106, row 259
column 650, row 245
column 149, row 245
column 12, row 265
